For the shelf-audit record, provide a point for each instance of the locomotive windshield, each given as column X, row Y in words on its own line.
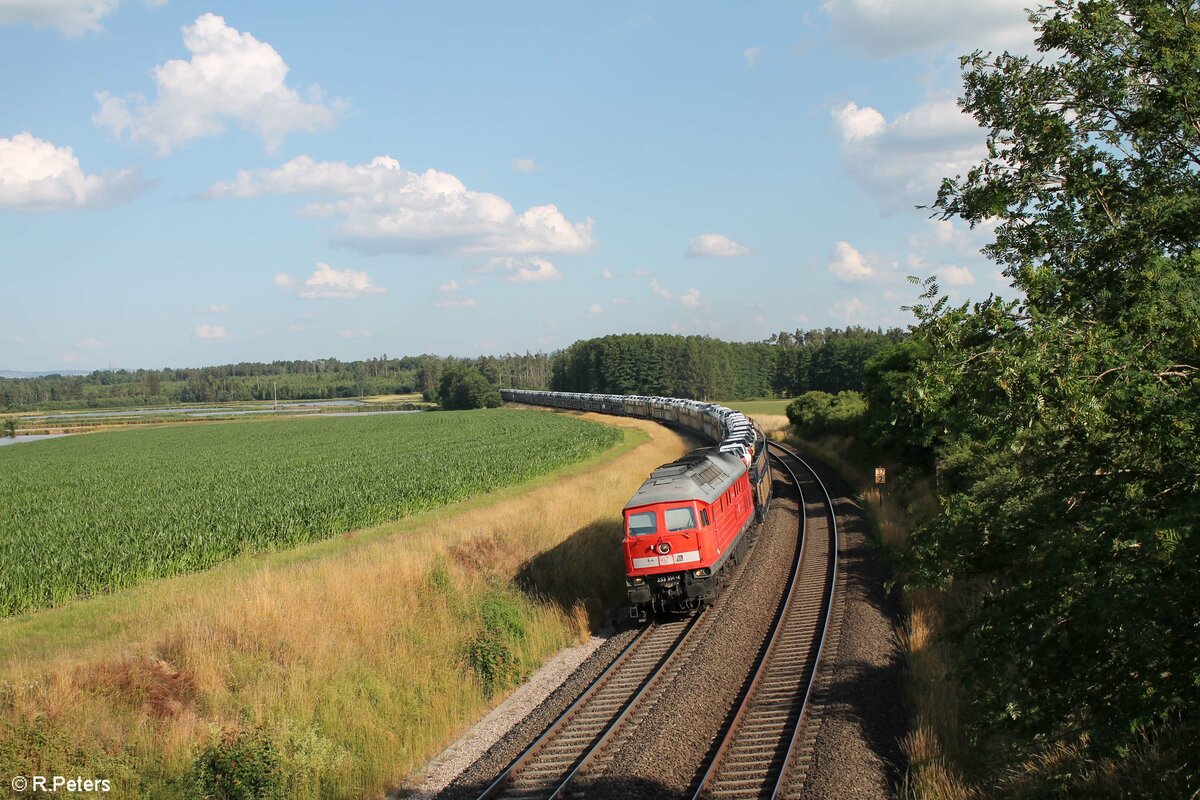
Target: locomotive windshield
column 642, row 523
column 680, row 519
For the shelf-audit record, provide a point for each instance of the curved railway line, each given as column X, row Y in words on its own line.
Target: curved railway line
column 762, row 749
column 763, row 753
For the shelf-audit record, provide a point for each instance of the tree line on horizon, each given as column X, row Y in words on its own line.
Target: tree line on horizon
column 696, row 367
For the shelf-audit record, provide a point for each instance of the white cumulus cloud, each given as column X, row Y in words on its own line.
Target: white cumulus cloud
column 384, row 208
column 206, row 331
column 525, row 165
column 215, row 309
column 448, row 286
column 530, row 269
column 35, row 175
column 231, row 76
column 327, row 282
column 902, row 162
column 690, row 298
column 856, row 123
column 887, row 28
column 595, row 310
column 847, row 264
column 715, row 244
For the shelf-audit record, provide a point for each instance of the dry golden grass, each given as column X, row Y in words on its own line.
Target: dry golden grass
column 348, row 651
column 933, row 743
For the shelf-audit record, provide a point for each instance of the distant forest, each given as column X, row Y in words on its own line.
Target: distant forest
column 786, row 364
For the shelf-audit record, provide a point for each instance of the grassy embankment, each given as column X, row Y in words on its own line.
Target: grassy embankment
column 934, row 746
column 329, row 670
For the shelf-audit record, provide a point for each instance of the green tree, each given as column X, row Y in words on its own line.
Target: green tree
column 465, row 388
column 1072, row 477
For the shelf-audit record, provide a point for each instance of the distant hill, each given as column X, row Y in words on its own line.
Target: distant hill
column 8, row 373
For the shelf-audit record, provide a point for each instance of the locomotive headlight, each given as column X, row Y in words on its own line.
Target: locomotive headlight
column 703, row 572
column 634, row 581
column 664, row 547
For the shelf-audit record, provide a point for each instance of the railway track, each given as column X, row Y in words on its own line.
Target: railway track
column 764, row 735
column 548, row 766
column 764, row 752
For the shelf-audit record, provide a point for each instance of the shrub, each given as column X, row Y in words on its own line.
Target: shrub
column 238, row 765
column 819, row 413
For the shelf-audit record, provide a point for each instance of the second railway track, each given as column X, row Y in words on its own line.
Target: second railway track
column 757, row 752
column 763, row 752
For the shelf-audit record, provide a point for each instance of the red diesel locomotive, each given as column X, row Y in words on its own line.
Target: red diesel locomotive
column 687, row 525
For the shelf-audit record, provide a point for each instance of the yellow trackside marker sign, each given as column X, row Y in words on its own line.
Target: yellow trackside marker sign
column 880, row 475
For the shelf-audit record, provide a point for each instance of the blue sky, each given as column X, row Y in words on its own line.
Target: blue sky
column 197, row 183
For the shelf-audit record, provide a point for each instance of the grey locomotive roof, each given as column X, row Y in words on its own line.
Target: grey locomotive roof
column 702, row 474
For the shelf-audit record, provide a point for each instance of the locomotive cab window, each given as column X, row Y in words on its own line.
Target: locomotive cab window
column 642, row 523
column 704, row 516
column 680, row 519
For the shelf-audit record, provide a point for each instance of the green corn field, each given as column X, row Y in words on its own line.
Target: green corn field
column 88, row 514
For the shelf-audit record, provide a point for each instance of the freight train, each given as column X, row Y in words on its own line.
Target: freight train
column 689, row 522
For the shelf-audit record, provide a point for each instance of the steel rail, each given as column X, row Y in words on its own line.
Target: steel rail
column 765, row 769
column 504, row 784
column 835, row 547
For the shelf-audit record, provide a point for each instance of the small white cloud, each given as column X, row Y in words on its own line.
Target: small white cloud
column 384, row 208
column 359, row 333
column 525, row 270
column 607, row 274
column 231, row 76
column 855, row 124
column 525, row 165
column 850, row 311
column 690, row 298
column 595, row 310
column 621, row 301
column 215, row 309
column 847, row 264
column 956, row 276
column 206, row 331
column 751, row 54
column 90, row 343
column 327, row 282
column 37, row 176
column 454, row 302
column 448, row 286
column 294, row 328
column 715, row 244
column 659, row 289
